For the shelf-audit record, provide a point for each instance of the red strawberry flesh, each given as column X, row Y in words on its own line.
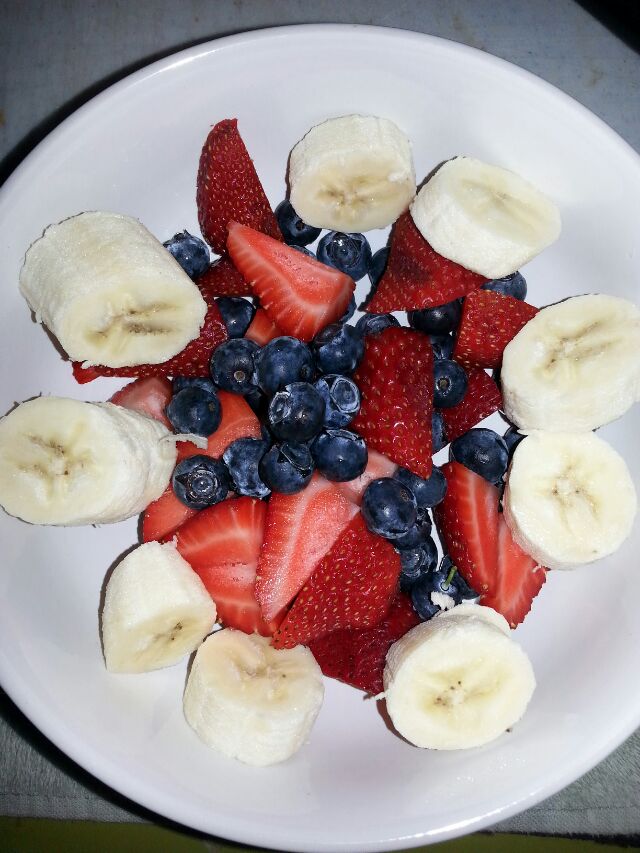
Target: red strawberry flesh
column 164, row 516
column 237, row 421
column 222, row 279
column 482, row 398
column 262, row 329
column 149, row 396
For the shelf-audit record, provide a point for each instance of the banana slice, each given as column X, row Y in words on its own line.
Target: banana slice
column 156, row 610
column 67, row 462
column 352, row 173
column 569, row 498
column 251, row 701
column 456, row 682
column 575, row 366
column 478, row 611
column 110, row 292
column 485, row 218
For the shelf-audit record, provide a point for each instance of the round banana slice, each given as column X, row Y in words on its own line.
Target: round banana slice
column 110, row 292
column 478, row 611
column 67, row 462
column 574, row 366
column 456, row 682
column 156, row 610
column 569, row 498
column 484, row 218
column 251, row 701
column 352, row 173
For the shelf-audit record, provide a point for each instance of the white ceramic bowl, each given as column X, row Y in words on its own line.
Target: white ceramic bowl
column 134, row 149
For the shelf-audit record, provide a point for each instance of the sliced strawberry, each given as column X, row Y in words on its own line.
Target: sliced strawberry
column 377, row 466
column 228, row 188
column 351, row 587
column 300, row 294
column 489, row 321
column 222, row 279
column 149, row 396
column 395, row 378
column 358, row 656
column 467, row 520
column 519, row 579
column 192, row 361
column 237, row 421
column 416, row 276
column 482, row 398
column 262, row 329
column 300, row 529
column 163, row 517
column 222, row 544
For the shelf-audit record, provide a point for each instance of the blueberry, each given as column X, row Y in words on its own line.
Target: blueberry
column 512, row 438
column 442, row 345
column 449, row 570
column 242, row 458
column 304, row 251
column 232, row 365
column 237, row 314
column 282, row 361
column 377, row 265
column 450, row 383
column 287, row 468
column 482, row 451
column 417, row 535
column 428, row 493
column 339, row 455
column 258, row 402
column 389, row 508
column 190, row 252
column 349, row 311
column 341, row 398
column 438, row 432
column 199, row 481
column 373, row 324
column 196, row 410
column 178, row 383
column 511, row 285
column 294, row 230
column 296, row 413
column 436, row 321
column 420, row 593
column 349, row 253
column 417, row 562
column 338, row 348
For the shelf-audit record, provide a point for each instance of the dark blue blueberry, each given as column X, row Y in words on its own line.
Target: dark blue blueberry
column 417, row 562
column 450, row 383
column 420, row 593
column 417, row 535
column 232, row 365
column 349, row 253
column 389, row 508
column 304, row 251
column 190, row 252
column 200, row 481
column 287, row 467
column 442, row 345
column 338, row 348
column 341, row 398
column 373, row 324
column 511, row 285
column 196, row 410
column 242, row 458
column 377, row 265
column 339, row 455
column 282, row 361
column 483, row 451
column 450, row 572
column 350, row 310
column 512, row 438
column 258, row 402
column 436, row 321
column 438, row 432
column 237, row 314
column 296, row 413
column 294, row 230
column 428, row 493
column 179, row 383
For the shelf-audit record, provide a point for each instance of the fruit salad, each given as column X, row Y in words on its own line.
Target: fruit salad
column 281, row 452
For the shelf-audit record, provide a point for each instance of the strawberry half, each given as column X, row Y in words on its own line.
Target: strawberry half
column 358, row 656
column 377, row 466
column 489, row 321
column 164, row 516
column 222, row 279
column 482, row 398
column 416, row 276
column 237, row 421
column 300, row 294
column 395, row 378
column 299, row 531
column 222, row 543
column 228, row 188
column 150, row 396
column 351, row 587
column 262, row 329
